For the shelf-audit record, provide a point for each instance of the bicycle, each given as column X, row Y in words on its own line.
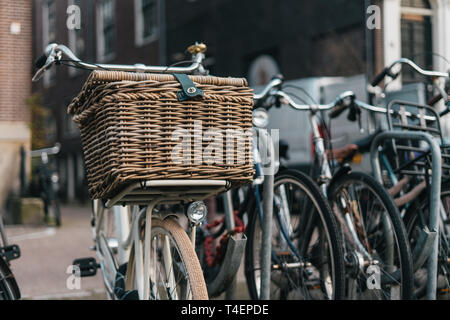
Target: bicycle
column 144, row 251
column 306, row 255
column 407, row 177
column 373, row 233
column 48, row 181
column 406, row 174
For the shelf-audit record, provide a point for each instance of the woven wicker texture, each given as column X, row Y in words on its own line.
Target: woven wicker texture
column 131, row 123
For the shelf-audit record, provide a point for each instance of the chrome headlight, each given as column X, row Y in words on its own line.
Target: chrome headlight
column 197, row 211
column 260, row 118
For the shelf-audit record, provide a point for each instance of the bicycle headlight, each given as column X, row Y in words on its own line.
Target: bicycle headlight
column 196, row 212
column 54, row 177
column 260, row 118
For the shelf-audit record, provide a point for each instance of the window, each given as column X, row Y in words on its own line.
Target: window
column 416, row 4
column 106, row 30
column 76, row 41
column 146, row 22
column 416, row 36
column 49, row 34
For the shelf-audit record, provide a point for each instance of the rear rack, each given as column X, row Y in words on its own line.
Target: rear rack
column 167, row 191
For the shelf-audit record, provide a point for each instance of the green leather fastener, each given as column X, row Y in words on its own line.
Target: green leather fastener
column 189, row 90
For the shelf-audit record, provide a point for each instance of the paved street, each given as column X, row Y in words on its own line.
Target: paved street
column 48, row 252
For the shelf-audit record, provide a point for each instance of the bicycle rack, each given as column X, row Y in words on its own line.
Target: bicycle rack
column 435, row 192
column 266, row 228
column 228, row 267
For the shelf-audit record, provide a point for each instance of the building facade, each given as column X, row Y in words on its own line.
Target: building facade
column 15, row 88
column 254, row 38
column 107, row 31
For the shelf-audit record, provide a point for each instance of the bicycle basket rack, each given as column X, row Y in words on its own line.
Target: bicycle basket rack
column 411, row 157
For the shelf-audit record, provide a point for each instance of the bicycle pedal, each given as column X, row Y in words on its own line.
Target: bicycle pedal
column 10, row 252
column 87, row 266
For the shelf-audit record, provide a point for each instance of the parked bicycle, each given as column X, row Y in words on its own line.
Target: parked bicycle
column 374, row 236
column 143, row 249
column 407, row 165
column 306, row 255
column 48, row 184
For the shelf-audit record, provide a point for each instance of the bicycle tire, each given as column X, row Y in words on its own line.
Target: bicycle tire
column 412, row 224
column 342, row 184
column 8, row 285
column 324, row 219
column 186, row 253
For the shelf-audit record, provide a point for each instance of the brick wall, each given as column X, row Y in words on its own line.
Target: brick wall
column 15, row 88
column 15, row 59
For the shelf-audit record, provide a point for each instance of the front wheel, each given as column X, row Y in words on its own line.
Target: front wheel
column 378, row 258
column 175, row 272
column 307, row 258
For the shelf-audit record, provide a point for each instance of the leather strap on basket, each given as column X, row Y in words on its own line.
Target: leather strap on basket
column 189, row 90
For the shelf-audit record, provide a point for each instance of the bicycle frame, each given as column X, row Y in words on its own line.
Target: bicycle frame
column 128, row 233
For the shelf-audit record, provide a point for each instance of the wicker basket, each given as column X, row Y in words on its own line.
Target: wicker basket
column 131, row 123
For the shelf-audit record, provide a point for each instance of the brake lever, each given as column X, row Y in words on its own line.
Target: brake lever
column 52, row 57
column 361, row 129
column 40, row 73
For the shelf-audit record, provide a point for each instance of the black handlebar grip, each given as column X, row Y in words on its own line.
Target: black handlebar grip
column 337, row 110
column 380, row 77
column 40, row 62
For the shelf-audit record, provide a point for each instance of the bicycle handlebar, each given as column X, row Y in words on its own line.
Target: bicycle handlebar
column 337, row 103
column 388, row 71
column 276, row 82
column 372, row 108
column 54, row 53
column 273, row 89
